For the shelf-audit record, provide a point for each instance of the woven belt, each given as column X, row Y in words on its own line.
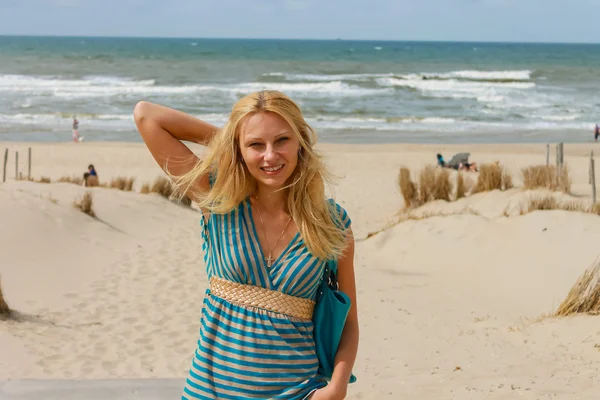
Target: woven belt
column 254, row 296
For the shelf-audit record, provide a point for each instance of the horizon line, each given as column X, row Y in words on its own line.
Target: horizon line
column 298, row 39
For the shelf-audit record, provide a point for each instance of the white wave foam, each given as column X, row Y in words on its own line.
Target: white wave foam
column 326, row 77
column 524, row 75
column 114, row 86
column 481, row 91
column 333, row 88
column 571, row 117
column 490, row 76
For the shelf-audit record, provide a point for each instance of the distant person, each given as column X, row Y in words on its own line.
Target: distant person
column 440, row 160
column 75, row 130
column 596, row 132
column 90, row 178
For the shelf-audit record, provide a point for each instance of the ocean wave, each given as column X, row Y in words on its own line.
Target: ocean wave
column 327, row 77
column 101, row 86
column 485, row 92
column 500, row 76
column 467, row 75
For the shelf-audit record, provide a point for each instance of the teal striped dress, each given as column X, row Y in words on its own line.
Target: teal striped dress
column 245, row 352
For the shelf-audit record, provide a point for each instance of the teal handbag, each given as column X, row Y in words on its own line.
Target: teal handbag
column 329, row 318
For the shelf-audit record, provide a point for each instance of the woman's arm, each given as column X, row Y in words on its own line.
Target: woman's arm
column 346, row 354
column 163, row 130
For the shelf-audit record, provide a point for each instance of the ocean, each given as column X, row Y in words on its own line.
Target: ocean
column 349, row 91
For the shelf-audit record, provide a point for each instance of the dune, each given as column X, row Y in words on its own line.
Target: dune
column 455, row 303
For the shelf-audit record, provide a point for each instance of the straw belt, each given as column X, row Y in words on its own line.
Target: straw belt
column 254, row 296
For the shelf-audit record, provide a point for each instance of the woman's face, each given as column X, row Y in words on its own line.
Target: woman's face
column 269, row 148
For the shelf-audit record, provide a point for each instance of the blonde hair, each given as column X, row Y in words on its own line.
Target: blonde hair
column 317, row 219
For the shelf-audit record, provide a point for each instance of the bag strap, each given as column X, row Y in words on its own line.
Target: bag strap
column 330, row 274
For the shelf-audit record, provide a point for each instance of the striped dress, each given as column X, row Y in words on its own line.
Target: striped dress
column 245, row 352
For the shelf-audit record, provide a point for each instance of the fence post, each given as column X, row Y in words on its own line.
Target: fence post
column 29, row 164
column 590, row 168
column 557, row 164
column 4, row 169
column 547, row 154
column 16, row 165
column 562, row 154
column 593, row 177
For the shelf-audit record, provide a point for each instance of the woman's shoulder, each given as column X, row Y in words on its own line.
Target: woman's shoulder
column 340, row 214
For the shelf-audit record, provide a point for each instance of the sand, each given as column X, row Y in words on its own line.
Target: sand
column 451, row 307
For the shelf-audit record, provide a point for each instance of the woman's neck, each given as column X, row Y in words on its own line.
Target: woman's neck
column 271, row 200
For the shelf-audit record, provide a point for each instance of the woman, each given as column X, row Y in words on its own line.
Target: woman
column 267, row 233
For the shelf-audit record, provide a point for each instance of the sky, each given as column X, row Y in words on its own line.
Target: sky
column 454, row 20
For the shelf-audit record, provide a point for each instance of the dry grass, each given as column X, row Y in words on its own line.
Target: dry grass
column 44, row 179
column 547, row 176
column 492, row 177
column 507, row 180
column 432, row 184
column 86, row 204
column 427, row 180
column 122, row 183
column 584, row 296
column 461, row 189
column 442, row 187
column 145, row 188
column 164, row 187
column 77, row 180
column 549, row 202
column 407, row 187
column 5, row 310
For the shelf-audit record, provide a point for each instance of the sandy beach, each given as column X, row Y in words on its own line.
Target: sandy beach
column 452, row 306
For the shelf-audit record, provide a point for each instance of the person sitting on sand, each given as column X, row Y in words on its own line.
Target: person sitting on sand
column 90, row 178
column 440, row 160
column 471, row 167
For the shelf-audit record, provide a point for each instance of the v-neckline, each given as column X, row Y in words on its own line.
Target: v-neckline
column 257, row 240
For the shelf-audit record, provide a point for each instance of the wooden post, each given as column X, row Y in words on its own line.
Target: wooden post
column 4, row 169
column 29, row 164
column 590, row 168
column 557, row 165
column 593, row 177
column 562, row 154
column 547, row 154
column 16, row 165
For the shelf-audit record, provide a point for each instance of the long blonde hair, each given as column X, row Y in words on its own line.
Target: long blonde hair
column 316, row 218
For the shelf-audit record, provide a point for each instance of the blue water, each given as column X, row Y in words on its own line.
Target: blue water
column 350, row 91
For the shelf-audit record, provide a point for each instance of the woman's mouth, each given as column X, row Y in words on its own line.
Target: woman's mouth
column 272, row 170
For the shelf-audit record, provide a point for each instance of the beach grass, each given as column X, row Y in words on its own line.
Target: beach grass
column 5, row 310
column 86, row 204
column 584, row 296
column 548, row 177
column 492, row 177
column 122, row 183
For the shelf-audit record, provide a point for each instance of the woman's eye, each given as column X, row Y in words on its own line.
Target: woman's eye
column 283, row 139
